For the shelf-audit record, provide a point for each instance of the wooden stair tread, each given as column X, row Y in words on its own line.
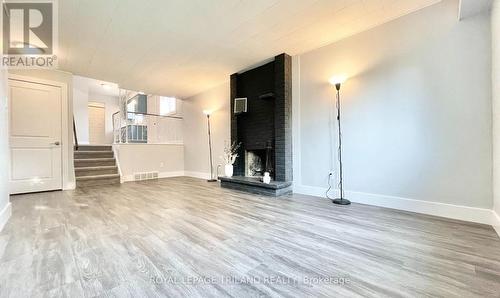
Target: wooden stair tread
column 95, row 159
column 93, row 148
column 95, row 168
column 95, row 165
column 92, row 152
column 98, row 177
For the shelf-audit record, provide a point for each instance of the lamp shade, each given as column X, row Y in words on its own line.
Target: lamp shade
column 207, row 112
column 338, row 79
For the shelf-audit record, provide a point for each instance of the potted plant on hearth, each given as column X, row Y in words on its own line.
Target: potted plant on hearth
column 230, row 155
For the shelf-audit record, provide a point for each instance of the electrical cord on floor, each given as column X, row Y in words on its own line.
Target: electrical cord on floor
column 329, row 185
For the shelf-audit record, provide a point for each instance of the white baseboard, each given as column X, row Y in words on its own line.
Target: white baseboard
column 200, row 175
column 465, row 213
column 171, row 174
column 496, row 222
column 5, row 215
column 129, row 178
column 309, row 190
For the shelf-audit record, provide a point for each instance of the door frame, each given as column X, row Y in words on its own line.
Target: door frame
column 66, row 118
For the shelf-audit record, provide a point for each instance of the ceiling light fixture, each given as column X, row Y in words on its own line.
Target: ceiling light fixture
column 105, row 86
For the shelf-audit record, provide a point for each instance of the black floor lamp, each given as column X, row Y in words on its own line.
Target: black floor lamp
column 337, row 81
column 207, row 113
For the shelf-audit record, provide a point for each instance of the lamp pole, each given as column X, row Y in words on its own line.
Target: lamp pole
column 210, row 150
column 341, row 200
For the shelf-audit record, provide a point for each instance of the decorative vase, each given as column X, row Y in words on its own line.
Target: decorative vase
column 267, row 178
column 228, row 170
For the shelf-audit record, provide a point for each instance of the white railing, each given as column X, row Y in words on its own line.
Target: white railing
column 140, row 128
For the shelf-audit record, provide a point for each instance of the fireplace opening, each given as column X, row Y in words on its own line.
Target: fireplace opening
column 259, row 161
column 255, row 163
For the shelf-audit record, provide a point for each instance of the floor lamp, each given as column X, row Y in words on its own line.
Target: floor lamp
column 337, row 82
column 207, row 113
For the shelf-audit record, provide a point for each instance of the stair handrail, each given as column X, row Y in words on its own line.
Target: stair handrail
column 155, row 115
column 74, row 134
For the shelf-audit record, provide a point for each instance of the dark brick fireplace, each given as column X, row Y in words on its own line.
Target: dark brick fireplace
column 265, row 130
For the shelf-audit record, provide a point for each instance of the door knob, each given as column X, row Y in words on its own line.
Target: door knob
column 57, row 143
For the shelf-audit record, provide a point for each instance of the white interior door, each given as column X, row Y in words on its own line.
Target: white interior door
column 35, row 122
column 97, row 124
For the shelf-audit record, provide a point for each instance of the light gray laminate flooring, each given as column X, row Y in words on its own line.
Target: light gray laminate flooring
column 184, row 237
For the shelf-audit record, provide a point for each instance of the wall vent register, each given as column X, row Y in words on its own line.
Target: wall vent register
column 240, row 105
column 145, row 176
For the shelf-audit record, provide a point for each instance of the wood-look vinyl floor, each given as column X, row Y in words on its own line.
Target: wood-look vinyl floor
column 184, row 237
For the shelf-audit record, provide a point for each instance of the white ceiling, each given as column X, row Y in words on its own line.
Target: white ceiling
column 96, row 87
column 183, row 47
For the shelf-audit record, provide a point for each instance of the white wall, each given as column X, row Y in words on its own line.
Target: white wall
column 196, row 153
column 154, row 105
column 495, row 26
column 163, row 130
column 168, row 160
column 5, row 207
column 416, row 109
column 80, row 108
column 81, row 98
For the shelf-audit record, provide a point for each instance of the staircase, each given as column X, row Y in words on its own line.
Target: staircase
column 95, row 165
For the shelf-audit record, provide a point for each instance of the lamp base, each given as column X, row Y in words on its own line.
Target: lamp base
column 212, row 180
column 342, row 202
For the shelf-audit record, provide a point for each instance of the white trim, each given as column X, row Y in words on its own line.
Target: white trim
column 171, row 174
column 93, row 104
column 465, row 213
column 200, row 175
column 309, row 190
column 70, row 185
column 68, row 182
column 496, row 222
column 117, row 161
column 5, row 215
column 129, row 178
